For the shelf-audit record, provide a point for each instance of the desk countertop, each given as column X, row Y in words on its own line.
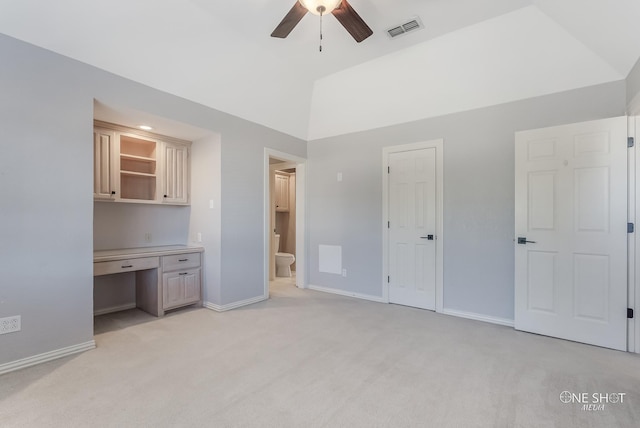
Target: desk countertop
column 132, row 253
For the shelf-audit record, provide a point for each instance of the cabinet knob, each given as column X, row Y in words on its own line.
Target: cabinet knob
column 165, row 196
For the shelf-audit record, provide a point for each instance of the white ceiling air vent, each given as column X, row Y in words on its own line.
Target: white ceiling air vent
column 412, row 24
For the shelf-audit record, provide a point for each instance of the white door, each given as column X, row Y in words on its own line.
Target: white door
column 571, row 232
column 412, row 228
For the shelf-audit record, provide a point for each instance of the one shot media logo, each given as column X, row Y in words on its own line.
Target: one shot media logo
column 593, row 402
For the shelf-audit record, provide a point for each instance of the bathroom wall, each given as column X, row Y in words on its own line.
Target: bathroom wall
column 282, row 229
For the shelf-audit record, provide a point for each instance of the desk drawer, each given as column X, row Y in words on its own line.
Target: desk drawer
column 180, row 261
column 128, row 265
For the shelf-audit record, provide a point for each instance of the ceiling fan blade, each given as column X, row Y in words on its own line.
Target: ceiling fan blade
column 352, row 22
column 290, row 21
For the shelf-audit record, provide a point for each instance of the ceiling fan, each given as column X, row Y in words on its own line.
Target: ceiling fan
column 341, row 9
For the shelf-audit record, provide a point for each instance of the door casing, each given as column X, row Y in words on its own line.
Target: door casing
column 301, row 224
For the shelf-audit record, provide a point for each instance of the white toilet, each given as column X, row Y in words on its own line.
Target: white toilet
column 283, row 260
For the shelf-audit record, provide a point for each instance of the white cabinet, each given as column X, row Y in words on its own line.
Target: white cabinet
column 181, row 284
column 282, row 192
column 166, row 277
column 133, row 166
column 176, row 174
column 104, row 168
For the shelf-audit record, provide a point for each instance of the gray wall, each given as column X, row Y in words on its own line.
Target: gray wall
column 633, row 84
column 123, row 225
column 478, row 195
column 47, row 205
column 206, row 187
column 46, row 176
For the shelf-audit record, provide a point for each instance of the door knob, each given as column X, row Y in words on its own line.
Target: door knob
column 428, row 237
column 523, row 240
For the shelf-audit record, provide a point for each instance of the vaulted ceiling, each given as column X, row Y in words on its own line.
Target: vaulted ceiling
column 471, row 53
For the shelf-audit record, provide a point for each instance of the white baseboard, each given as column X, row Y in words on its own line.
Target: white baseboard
column 346, row 293
column 114, row 309
column 234, row 305
column 47, row 356
column 479, row 317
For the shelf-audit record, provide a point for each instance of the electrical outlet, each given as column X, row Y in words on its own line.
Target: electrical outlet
column 199, row 237
column 344, row 273
column 147, row 237
column 9, row 324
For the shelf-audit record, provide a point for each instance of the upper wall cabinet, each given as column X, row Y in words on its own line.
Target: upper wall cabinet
column 104, row 180
column 176, row 175
column 133, row 166
column 282, row 192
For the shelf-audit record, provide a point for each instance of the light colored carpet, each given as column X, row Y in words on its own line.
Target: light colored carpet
column 310, row 359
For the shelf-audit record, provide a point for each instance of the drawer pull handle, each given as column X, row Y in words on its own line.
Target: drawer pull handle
column 183, row 260
column 185, row 273
column 127, row 266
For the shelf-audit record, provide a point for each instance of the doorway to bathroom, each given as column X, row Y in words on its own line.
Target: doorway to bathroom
column 284, row 220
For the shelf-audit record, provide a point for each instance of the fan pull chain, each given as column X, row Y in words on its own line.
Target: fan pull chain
column 321, row 10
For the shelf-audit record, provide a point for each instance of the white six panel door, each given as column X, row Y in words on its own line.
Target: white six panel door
column 412, row 228
column 571, row 203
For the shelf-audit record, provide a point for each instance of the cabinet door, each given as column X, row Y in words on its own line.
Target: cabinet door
column 176, row 174
column 172, row 290
column 104, row 170
column 180, row 288
column 191, row 287
column 282, row 192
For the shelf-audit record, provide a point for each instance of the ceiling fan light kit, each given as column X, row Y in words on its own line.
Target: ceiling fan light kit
column 318, row 7
column 341, row 9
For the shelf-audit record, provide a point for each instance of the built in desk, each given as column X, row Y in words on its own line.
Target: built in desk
column 167, row 277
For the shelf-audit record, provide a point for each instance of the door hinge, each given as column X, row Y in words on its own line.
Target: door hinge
column 629, row 313
column 630, row 228
column 630, row 142
column 388, row 279
column 388, row 170
column 388, row 225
